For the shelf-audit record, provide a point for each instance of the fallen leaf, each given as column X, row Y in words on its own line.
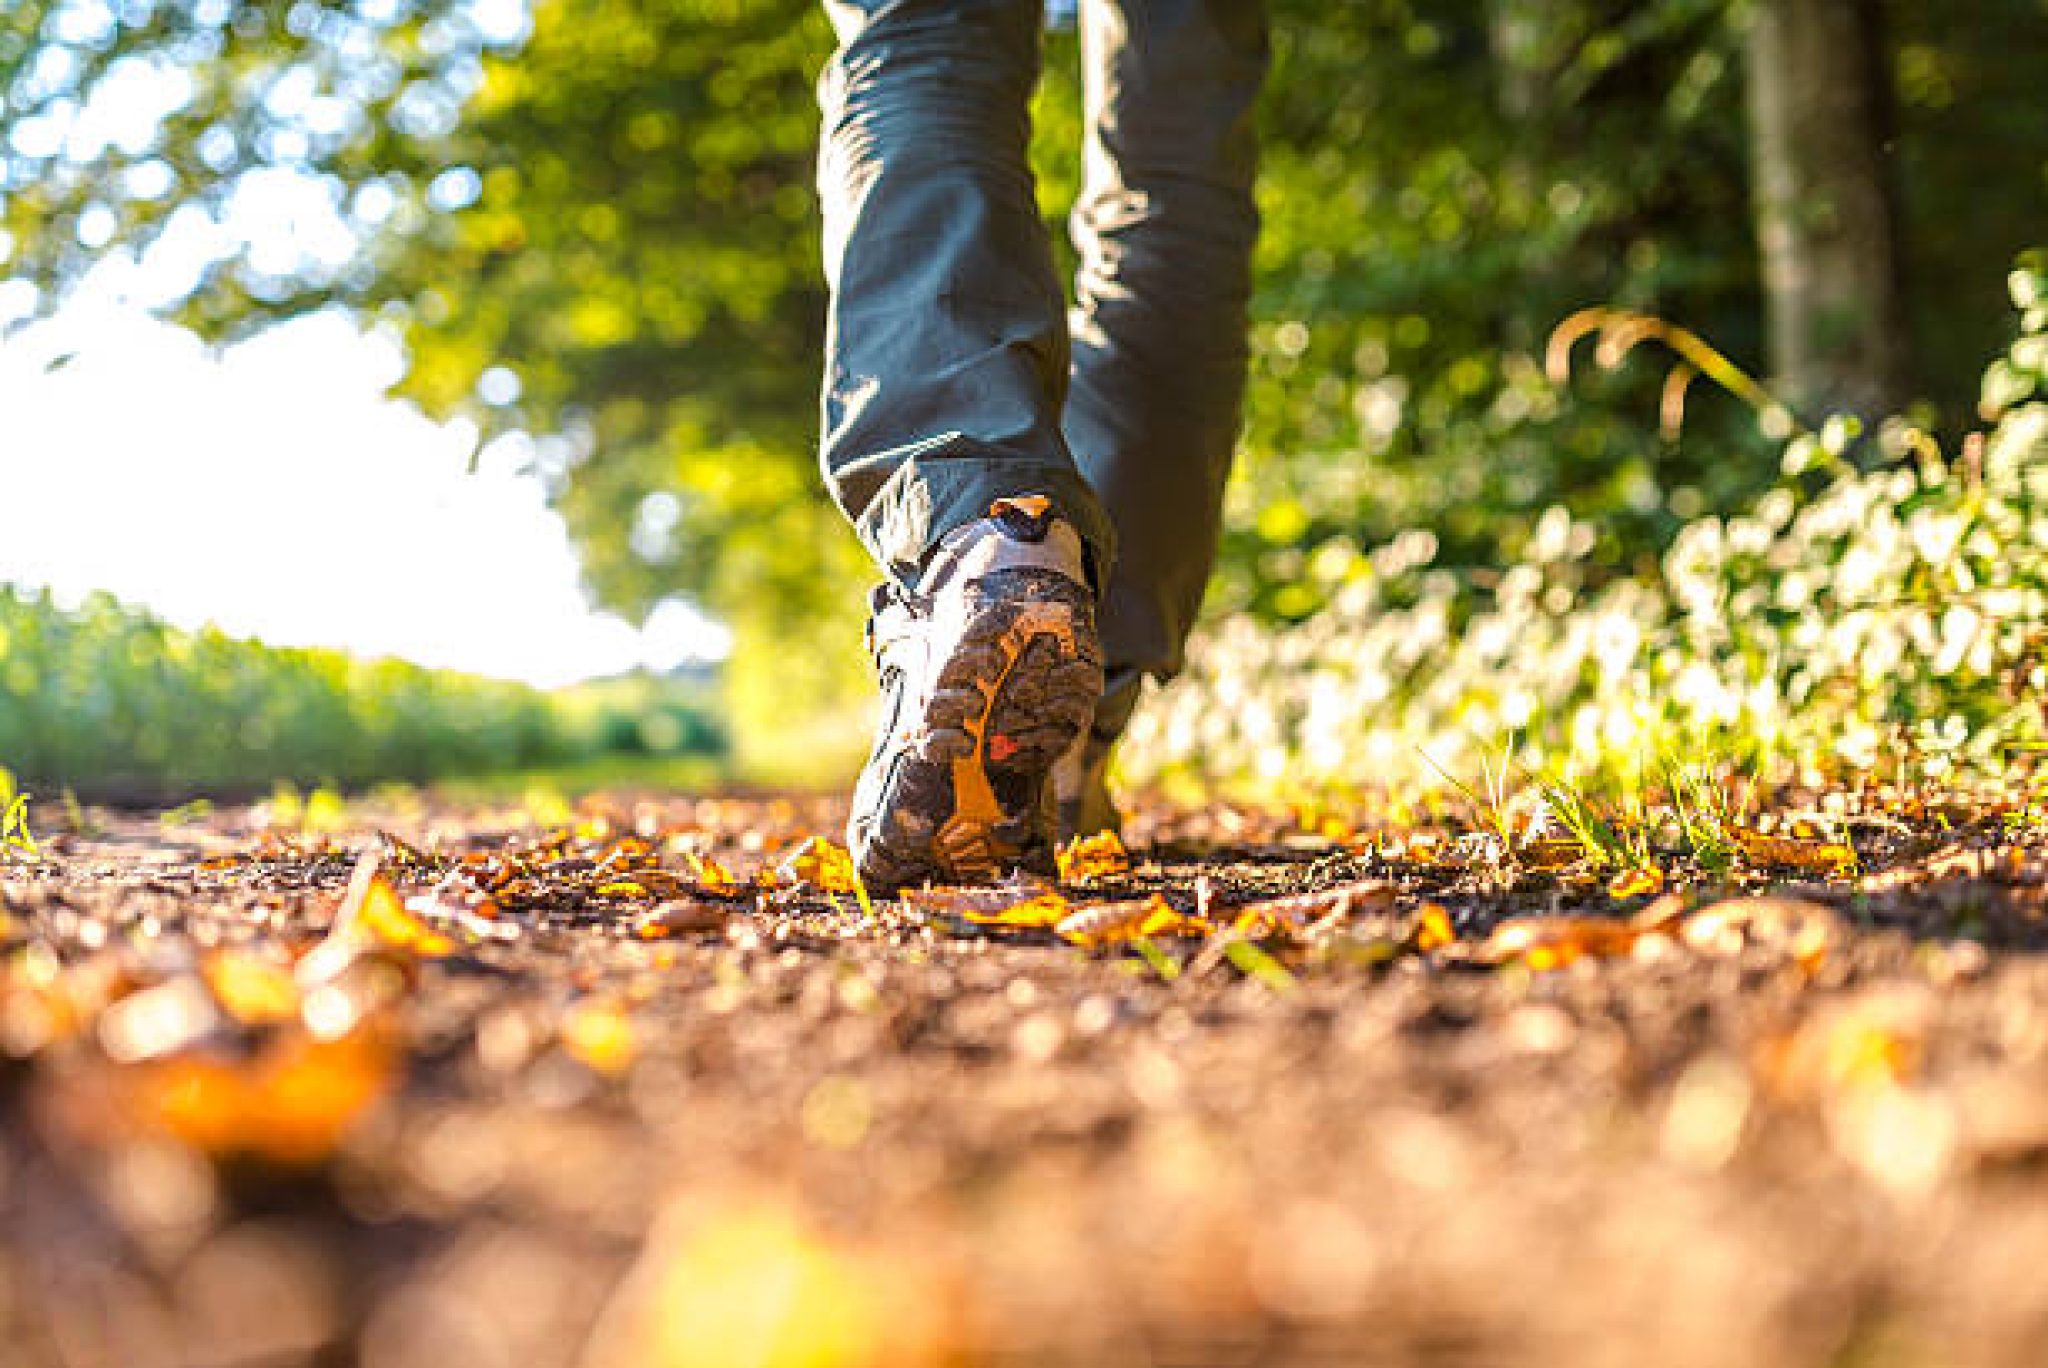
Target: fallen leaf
column 1550, row 853
column 290, row 1104
column 1786, row 852
column 1659, row 913
column 1306, row 912
column 1806, row 930
column 1433, row 929
column 1045, row 910
column 820, row 864
column 383, row 916
column 1101, row 856
column 710, row 873
column 1116, row 922
column 1636, row 883
column 371, row 917
column 1551, row 942
column 680, row 915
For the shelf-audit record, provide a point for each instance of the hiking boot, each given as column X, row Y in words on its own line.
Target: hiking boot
column 990, row 668
column 1080, row 787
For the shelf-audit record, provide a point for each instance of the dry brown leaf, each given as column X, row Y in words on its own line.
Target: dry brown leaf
column 1303, row 912
column 1555, row 853
column 1659, row 913
column 681, row 915
column 1787, row 852
column 1135, row 919
column 372, row 917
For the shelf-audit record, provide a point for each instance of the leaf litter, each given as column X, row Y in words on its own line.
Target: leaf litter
column 1250, row 1072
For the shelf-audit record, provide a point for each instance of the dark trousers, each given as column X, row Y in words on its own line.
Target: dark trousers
column 955, row 373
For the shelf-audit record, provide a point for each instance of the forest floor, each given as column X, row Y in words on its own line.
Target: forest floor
column 440, row 1089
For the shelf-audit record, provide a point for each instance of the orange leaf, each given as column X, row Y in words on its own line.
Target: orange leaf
column 1303, row 912
column 383, row 915
column 1135, row 919
column 1553, row 942
column 1045, row 910
column 711, row 873
column 1101, row 856
column 1433, row 928
column 1636, row 883
column 819, row 864
column 292, row 1104
column 371, row 916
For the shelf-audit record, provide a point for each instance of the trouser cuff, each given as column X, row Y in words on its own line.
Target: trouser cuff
column 952, row 483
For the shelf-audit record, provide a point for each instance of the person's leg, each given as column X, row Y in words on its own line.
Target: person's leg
column 946, row 353
column 946, row 366
column 1165, row 227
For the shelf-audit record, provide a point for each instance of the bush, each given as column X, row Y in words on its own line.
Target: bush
column 1847, row 623
column 113, row 703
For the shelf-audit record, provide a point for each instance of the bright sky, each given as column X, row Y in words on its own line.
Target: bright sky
column 273, row 489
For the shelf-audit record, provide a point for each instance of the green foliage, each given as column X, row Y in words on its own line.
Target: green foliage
column 1845, row 623
column 1706, row 812
column 610, row 215
column 600, row 231
column 245, row 88
column 113, row 703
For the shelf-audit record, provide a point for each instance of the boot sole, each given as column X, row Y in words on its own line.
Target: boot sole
column 963, row 802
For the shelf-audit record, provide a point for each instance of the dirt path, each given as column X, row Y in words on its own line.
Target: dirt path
column 584, row 1101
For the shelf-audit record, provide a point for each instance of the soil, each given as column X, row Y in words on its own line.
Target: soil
column 588, row 1102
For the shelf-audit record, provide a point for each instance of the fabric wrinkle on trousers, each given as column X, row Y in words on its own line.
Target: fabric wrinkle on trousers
column 954, row 373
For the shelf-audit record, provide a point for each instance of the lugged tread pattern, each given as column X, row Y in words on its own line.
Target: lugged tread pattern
column 961, row 793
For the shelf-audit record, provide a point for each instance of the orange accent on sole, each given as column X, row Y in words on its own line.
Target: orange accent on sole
column 966, row 841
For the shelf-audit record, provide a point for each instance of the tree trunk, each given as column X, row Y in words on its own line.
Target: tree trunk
column 1826, row 205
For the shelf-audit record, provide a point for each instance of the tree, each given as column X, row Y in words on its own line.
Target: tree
column 597, row 228
column 1827, row 210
